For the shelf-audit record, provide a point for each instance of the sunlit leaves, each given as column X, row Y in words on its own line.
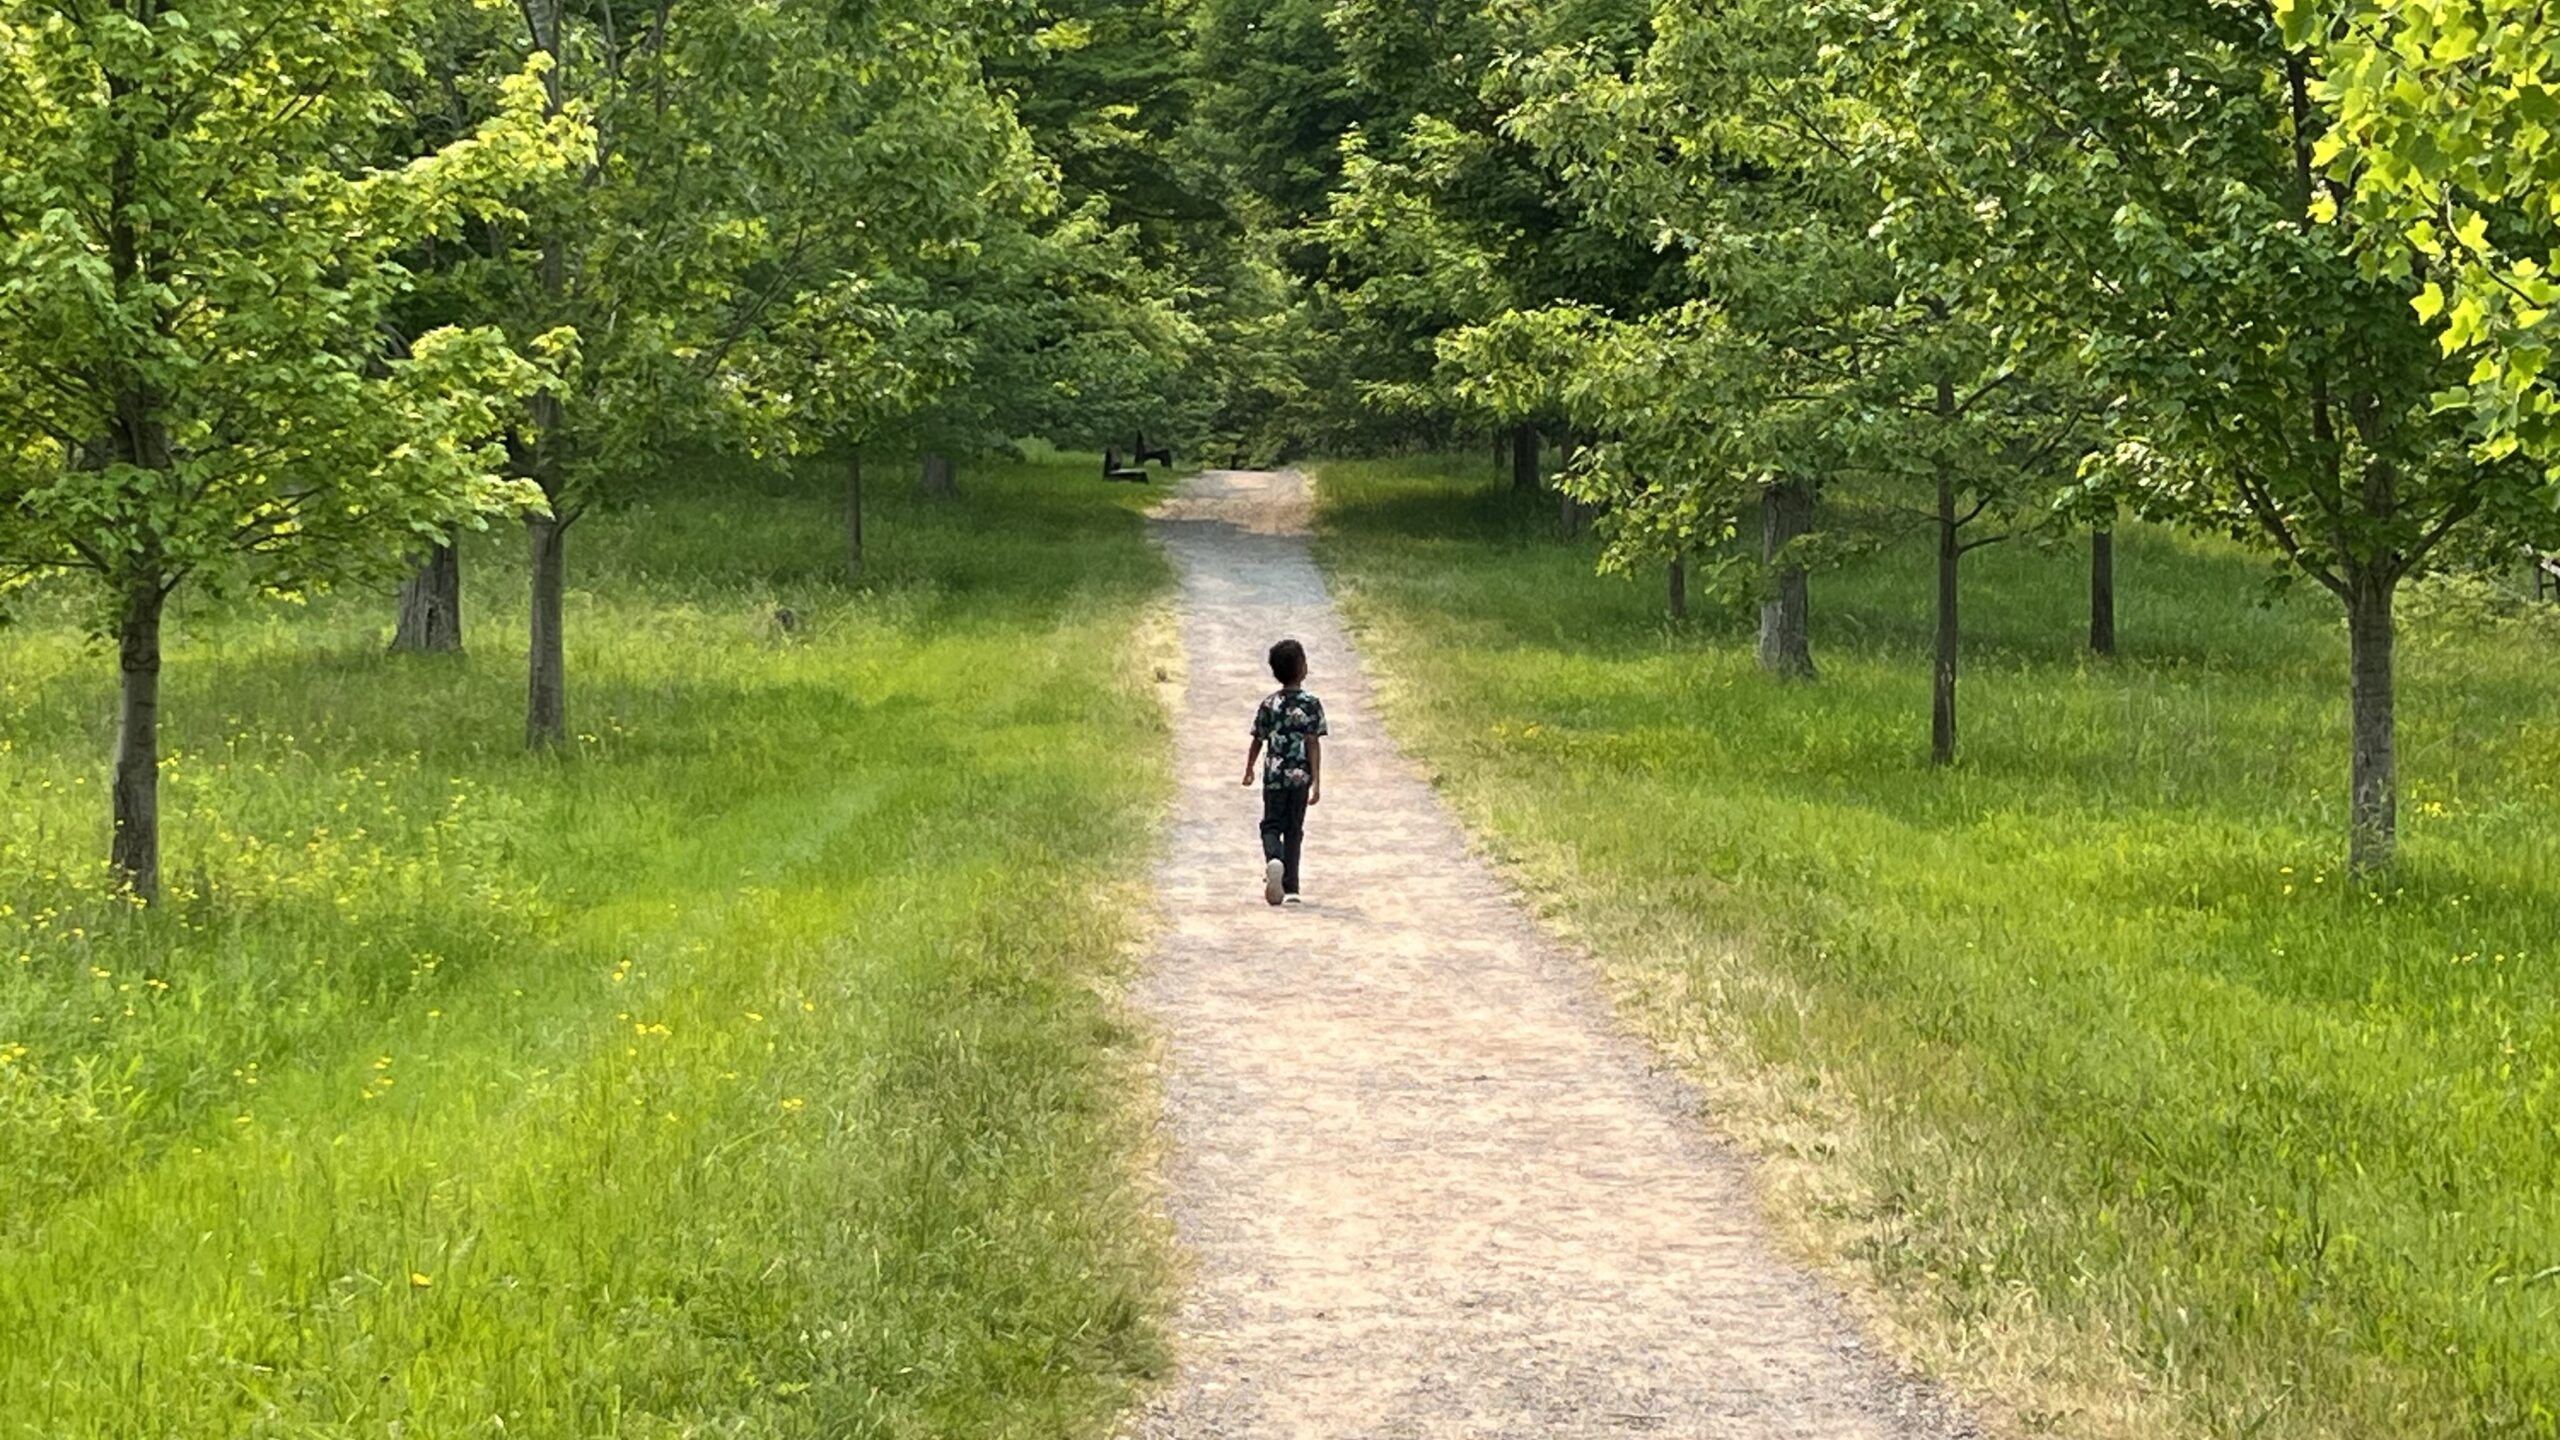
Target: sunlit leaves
column 198, row 248
column 2446, row 113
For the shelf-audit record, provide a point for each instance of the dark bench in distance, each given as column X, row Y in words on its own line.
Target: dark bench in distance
column 1135, row 466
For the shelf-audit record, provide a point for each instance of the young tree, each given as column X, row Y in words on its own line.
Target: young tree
column 1666, row 482
column 1664, row 130
column 1840, row 327
column 2153, row 176
column 195, row 383
column 747, row 155
column 841, row 365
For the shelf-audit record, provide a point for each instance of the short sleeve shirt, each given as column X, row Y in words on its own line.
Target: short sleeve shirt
column 1287, row 720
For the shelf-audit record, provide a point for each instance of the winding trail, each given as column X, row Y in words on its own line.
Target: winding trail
column 1428, row 1188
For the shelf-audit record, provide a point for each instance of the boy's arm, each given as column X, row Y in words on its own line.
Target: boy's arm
column 1315, row 769
column 1252, row 753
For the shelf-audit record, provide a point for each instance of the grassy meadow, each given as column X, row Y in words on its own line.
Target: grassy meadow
column 2079, row 1059
column 752, row 1069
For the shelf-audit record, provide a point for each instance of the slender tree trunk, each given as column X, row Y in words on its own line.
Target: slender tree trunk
column 1524, row 458
column 431, row 604
column 2102, row 591
column 135, row 850
column 1571, row 514
column 546, row 701
column 136, row 436
column 940, row 482
column 1786, row 617
column 2374, row 779
column 1942, row 690
column 853, row 513
column 1680, row 587
column 546, row 711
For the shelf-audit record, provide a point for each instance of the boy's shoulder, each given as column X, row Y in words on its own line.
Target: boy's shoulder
column 1282, row 704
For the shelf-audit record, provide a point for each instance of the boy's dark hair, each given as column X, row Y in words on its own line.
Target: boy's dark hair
column 1288, row 662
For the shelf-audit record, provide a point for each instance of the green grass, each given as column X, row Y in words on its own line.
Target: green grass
column 2081, row 1054
column 753, row 1069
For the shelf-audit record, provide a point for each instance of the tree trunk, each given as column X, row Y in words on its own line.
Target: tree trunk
column 2374, row 779
column 1571, row 514
column 431, row 605
column 1679, row 587
column 853, row 513
column 546, row 710
column 940, row 483
column 135, row 850
column 1942, row 690
column 2102, row 591
column 1786, row 619
column 546, row 701
column 1524, row 458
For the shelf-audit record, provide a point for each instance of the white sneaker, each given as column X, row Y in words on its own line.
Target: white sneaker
column 1271, row 870
column 1291, row 900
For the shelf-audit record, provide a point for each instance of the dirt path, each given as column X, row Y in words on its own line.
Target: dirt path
column 1427, row 1187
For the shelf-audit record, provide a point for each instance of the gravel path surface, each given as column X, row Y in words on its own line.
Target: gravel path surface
column 1426, row 1186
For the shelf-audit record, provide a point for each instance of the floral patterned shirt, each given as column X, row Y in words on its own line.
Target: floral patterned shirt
column 1284, row 724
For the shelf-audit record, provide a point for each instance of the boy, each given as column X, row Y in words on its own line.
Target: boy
column 1287, row 733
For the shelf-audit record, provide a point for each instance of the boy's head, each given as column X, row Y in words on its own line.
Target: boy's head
column 1288, row 662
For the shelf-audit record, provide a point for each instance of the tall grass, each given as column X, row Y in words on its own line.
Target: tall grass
column 2082, row 1054
column 751, row 1069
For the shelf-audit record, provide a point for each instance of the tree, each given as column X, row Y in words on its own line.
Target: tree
column 748, row 156
column 1664, row 480
column 196, row 387
column 431, row 602
column 1275, row 99
column 1447, row 216
column 2152, row 173
column 842, row 365
column 1061, row 330
column 1662, row 126
column 1109, row 94
column 2444, row 165
column 1839, row 326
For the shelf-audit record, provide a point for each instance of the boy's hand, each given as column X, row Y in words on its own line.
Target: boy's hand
column 1315, row 794
column 1248, row 774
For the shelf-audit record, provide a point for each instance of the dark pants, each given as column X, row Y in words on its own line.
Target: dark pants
column 1284, row 830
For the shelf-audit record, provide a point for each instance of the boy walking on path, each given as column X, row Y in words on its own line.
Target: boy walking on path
column 1288, row 743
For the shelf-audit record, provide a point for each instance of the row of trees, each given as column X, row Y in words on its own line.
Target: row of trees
column 2008, row 266
column 293, row 293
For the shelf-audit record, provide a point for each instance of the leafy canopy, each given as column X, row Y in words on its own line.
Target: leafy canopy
column 199, row 243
